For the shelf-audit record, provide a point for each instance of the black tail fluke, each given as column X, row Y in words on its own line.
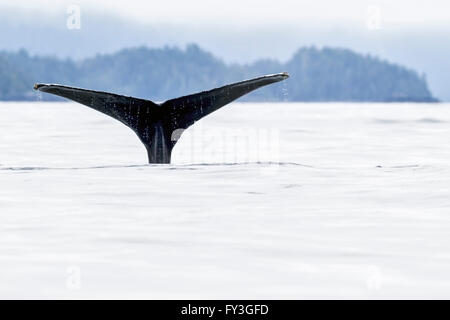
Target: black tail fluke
column 188, row 109
column 121, row 108
column 159, row 125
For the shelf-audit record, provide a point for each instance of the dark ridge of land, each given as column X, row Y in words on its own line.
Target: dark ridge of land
column 328, row 74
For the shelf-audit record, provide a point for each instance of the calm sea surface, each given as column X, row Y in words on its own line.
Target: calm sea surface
column 261, row 201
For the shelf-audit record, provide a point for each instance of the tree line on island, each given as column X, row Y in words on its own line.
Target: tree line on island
column 327, row 74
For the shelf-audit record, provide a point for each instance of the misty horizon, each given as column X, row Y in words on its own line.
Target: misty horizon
column 47, row 34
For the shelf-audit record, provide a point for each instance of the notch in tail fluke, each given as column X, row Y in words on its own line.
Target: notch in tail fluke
column 155, row 124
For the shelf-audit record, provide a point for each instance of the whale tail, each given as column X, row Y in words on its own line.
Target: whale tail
column 160, row 125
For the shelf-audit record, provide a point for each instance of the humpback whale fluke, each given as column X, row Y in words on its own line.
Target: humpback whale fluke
column 159, row 125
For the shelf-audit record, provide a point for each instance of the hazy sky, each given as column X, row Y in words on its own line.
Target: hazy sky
column 242, row 12
column 414, row 33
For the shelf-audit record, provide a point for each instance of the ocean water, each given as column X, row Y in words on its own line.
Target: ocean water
column 270, row 200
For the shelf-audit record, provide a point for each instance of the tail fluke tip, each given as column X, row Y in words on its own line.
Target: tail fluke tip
column 38, row 85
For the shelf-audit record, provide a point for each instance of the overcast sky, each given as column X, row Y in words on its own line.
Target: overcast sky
column 414, row 33
column 241, row 12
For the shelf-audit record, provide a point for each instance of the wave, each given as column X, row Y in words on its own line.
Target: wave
column 421, row 120
column 68, row 168
column 162, row 166
column 430, row 120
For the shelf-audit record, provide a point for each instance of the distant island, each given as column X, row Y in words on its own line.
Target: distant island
column 327, row 74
